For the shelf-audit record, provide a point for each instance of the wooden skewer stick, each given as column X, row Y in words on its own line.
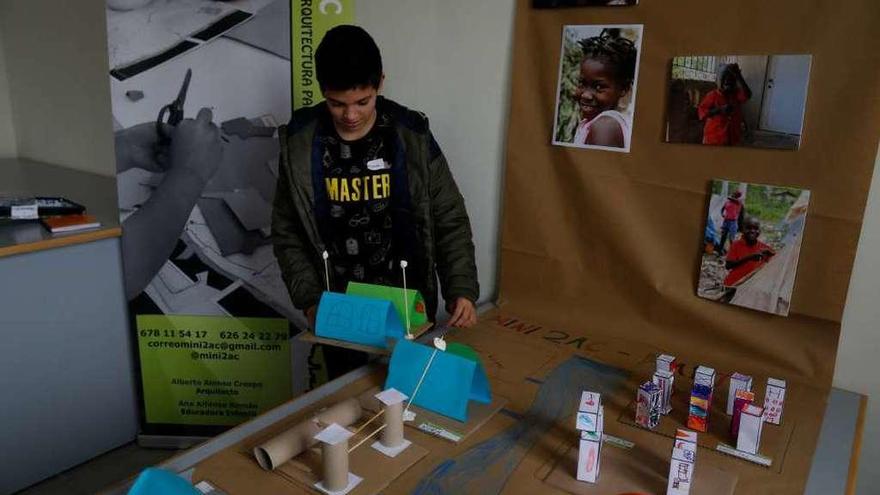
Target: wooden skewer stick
column 355, row 432
column 371, row 435
column 326, row 255
column 403, row 265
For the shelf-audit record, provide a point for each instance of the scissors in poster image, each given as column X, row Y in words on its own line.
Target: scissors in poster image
column 173, row 111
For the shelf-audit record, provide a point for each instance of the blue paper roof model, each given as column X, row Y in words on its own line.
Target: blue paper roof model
column 449, row 384
column 360, row 320
column 154, row 481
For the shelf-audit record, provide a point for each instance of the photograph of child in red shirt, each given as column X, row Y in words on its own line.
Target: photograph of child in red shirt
column 721, row 109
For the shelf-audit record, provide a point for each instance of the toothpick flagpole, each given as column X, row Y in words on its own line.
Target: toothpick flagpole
column 326, row 256
column 403, row 265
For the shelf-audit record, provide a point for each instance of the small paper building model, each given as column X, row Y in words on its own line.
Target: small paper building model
column 751, row 422
column 665, row 381
column 681, row 467
column 738, row 382
column 590, row 450
column 774, row 399
column 450, row 382
column 587, row 418
column 701, row 398
column 412, row 305
column 648, row 405
column 361, row 320
column 666, row 362
column 743, row 398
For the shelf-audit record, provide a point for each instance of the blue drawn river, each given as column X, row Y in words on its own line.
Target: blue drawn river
column 485, row 468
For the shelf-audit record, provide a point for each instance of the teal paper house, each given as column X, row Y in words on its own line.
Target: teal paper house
column 450, row 383
column 360, row 320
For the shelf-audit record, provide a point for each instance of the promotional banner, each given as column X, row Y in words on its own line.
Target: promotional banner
column 310, row 19
column 212, row 370
column 198, row 89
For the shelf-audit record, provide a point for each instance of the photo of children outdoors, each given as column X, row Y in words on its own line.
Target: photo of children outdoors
column 598, row 75
column 751, row 245
column 756, row 101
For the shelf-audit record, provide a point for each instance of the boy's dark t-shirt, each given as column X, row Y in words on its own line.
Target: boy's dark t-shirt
column 357, row 179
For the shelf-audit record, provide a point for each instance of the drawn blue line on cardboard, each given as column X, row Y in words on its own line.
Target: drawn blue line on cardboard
column 356, row 319
column 485, row 468
column 450, row 383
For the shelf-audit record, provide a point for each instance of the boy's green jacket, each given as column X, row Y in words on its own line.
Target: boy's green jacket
column 429, row 210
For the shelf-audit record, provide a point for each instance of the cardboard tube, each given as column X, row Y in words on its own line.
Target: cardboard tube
column 284, row 447
column 392, row 435
column 335, row 460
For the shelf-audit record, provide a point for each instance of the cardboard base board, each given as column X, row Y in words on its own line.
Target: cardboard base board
column 775, row 439
column 439, row 425
column 632, row 471
column 309, row 336
column 376, row 469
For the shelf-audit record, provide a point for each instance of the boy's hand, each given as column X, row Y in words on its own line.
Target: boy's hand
column 463, row 312
column 311, row 312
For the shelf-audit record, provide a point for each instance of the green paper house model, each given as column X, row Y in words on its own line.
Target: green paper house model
column 414, row 300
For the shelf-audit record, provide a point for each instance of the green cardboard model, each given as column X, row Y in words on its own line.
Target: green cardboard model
column 414, row 299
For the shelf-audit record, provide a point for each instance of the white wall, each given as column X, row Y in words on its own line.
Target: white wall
column 7, row 131
column 56, row 57
column 451, row 60
column 857, row 355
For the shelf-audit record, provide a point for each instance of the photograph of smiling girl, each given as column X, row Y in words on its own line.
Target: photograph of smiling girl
column 598, row 75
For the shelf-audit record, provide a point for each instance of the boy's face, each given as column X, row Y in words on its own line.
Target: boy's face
column 728, row 82
column 751, row 231
column 353, row 110
column 597, row 89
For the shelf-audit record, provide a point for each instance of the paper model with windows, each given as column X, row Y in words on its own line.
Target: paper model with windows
column 681, row 467
column 449, row 381
column 751, row 423
column 743, row 398
column 648, row 405
column 587, row 418
column 591, row 430
column 664, row 381
column 738, row 382
column 774, row 400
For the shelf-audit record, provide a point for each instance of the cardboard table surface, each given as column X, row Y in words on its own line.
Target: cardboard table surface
column 543, row 376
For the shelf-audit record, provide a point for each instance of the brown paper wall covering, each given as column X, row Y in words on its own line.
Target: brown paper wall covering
column 610, row 242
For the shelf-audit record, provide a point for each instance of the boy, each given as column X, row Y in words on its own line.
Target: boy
column 746, row 256
column 721, row 109
column 362, row 178
column 732, row 213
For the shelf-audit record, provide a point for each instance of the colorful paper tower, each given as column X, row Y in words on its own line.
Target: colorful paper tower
column 738, row 382
column 701, row 398
column 751, row 422
column 664, row 380
column 334, row 461
column 648, row 405
column 591, row 423
column 774, row 399
column 743, row 398
column 681, row 467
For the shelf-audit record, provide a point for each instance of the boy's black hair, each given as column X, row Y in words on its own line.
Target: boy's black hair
column 619, row 52
column 348, row 58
